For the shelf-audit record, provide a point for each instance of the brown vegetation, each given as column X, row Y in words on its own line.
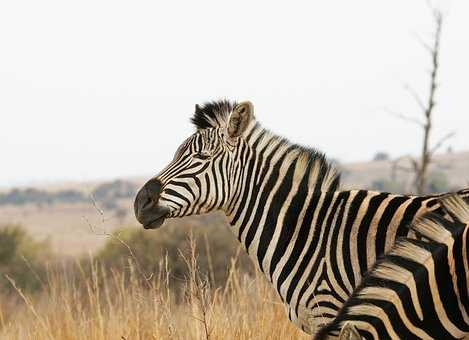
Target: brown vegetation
column 90, row 301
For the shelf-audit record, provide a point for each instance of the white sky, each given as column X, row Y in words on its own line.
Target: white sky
column 95, row 88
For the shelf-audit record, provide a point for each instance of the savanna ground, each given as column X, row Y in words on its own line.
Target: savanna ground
column 112, row 306
column 184, row 281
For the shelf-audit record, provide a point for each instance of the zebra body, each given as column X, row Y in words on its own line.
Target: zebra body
column 419, row 290
column 312, row 241
column 317, row 253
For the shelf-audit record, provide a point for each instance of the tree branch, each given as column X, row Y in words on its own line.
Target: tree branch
column 440, row 143
column 422, row 42
column 403, row 117
column 415, row 95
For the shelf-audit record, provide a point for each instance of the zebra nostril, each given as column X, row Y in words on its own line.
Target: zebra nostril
column 153, row 190
column 149, row 198
column 141, row 200
column 146, row 202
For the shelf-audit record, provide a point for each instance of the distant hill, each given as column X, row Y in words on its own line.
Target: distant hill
column 107, row 194
column 448, row 172
column 74, row 215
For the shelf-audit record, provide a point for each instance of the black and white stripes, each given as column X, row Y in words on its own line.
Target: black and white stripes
column 312, row 241
column 419, row 290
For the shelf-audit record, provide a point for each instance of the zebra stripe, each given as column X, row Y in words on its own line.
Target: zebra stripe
column 268, row 226
column 419, row 290
column 312, row 241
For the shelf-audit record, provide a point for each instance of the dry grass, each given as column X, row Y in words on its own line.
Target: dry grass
column 99, row 304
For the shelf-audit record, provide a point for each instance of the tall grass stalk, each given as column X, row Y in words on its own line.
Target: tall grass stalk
column 89, row 301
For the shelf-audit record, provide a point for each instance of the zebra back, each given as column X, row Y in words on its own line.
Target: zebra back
column 419, row 289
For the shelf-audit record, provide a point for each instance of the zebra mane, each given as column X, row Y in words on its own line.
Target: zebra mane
column 323, row 173
column 320, row 169
column 212, row 114
column 215, row 114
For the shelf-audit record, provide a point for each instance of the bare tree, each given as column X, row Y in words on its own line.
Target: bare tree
column 419, row 166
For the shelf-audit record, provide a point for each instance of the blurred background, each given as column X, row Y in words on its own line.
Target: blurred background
column 96, row 96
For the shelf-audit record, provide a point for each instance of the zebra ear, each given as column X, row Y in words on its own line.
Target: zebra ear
column 240, row 118
column 349, row 332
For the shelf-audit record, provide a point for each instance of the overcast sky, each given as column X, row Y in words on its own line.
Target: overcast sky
column 101, row 89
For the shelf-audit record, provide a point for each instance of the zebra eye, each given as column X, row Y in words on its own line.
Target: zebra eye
column 202, row 156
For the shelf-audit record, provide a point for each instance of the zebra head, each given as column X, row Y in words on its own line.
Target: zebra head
column 200, row 177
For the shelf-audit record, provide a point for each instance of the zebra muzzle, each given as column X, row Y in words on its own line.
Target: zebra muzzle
column 156, row 222
column 147, row 210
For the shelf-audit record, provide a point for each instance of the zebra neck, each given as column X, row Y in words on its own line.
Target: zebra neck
column 262, row 153
column 272, row 186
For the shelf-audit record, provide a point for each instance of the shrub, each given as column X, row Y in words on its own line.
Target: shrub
column 387, row 185
column 114, row 307
column 381, row 156
column 108, row 194
column 437, row 182
column 215, row 246
column 21, row 258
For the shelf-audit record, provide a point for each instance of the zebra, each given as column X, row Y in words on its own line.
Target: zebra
column 419, row 289
column 282, row 201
